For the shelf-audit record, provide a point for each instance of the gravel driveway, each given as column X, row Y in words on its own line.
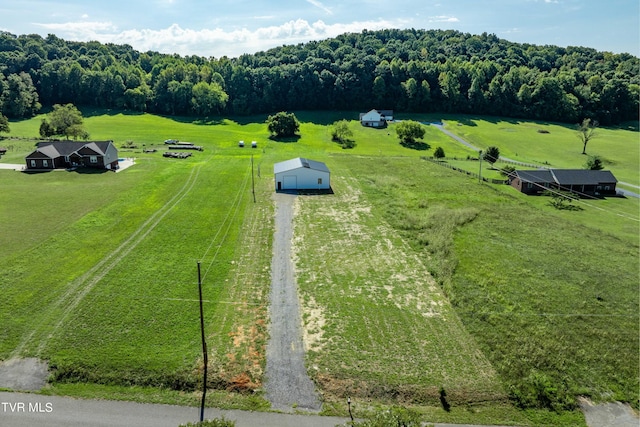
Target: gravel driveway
column 287, row 386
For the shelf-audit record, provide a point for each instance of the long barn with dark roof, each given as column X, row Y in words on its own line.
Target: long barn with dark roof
column 582, row 182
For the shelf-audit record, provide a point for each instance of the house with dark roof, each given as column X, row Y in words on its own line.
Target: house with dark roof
column 65, row 154
column 301, row 174
column 582, row 182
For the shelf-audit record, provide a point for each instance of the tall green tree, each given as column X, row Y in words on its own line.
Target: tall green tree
column 283, row 124
column 208, row 98
column 20, row 98
column 450, row 89
column 4, row 124
column 379, row 90
column 66, row 120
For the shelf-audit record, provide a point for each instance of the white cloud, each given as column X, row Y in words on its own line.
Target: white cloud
column 511, row 31
column 443, row 18
column 319, row 5
column 80, row 30
column 214, row 42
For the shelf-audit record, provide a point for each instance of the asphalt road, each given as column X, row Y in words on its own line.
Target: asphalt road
column 34, row 410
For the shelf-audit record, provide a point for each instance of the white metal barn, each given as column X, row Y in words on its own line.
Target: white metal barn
column 301, row 174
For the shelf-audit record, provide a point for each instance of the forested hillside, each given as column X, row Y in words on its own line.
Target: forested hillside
column 405, row 70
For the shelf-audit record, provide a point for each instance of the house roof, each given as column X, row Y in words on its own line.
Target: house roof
column 53, row 149
column 582, row 176
column 539, row 175
column 566, row 177
column 298, row 163
column 375, row 114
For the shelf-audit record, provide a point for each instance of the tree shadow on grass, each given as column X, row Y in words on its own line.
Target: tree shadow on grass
column 89, row 171
column 416, row 145
column 285, row 139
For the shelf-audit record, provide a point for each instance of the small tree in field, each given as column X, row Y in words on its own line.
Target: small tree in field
column 283, row 124
column 491, row 155
column 439, row 153
column 586, row 132
column 408, row 131
column 342, row 134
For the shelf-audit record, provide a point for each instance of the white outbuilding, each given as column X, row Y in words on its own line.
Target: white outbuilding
column 301, row 174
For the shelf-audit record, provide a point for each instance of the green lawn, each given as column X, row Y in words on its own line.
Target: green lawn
column 413, row 277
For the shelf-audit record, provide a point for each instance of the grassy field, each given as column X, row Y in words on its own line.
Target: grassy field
column 558, row 147
column 527, row 281
column 414, row 278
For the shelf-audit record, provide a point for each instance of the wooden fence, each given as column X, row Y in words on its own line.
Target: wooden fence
column 469, row 173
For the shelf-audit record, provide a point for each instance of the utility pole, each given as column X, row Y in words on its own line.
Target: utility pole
column 204, row 348
column 253, row 186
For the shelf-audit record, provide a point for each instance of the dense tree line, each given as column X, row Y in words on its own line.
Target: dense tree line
column 405, row 70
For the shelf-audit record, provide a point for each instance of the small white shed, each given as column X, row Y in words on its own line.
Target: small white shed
column 301, row 174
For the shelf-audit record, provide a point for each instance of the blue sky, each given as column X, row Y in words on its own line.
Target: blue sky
column 233, row 27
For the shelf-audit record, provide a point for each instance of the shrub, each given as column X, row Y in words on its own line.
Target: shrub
column 507, row 170
column 342, row 134
column 439, row 153
column 216, row 422
column 540, row 391
column 594, row 163
column 394, row 417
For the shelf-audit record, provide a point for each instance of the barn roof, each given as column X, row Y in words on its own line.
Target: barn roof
column 582, row 176
column 298, row 163
column 539, row 175
column 566, row 177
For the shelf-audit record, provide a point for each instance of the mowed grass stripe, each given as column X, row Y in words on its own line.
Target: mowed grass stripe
column 142, row 319
column 35, row 297
column 77, row 290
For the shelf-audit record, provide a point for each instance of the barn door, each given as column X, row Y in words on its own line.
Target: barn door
column 290, row 182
